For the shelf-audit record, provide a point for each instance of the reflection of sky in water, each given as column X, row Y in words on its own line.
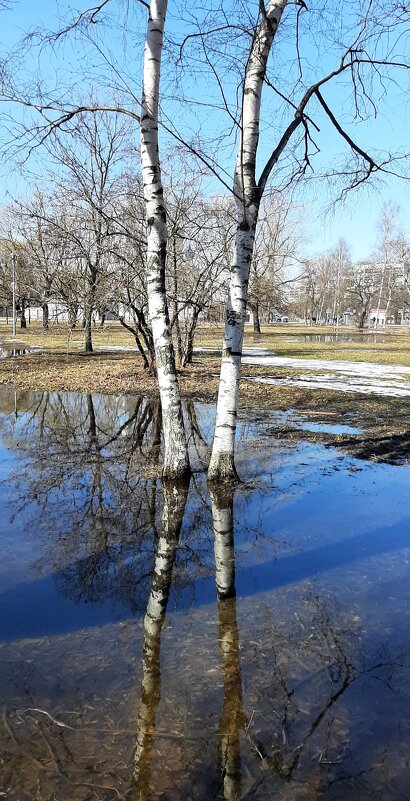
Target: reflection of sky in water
column 69, row 544
column 322, row 550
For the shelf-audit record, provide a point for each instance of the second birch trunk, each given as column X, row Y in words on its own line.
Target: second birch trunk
column 248, row 195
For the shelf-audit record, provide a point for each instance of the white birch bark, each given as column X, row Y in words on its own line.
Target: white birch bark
column 222, row 464
column 176, row 461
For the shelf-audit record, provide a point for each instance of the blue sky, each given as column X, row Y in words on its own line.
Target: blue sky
column 355, row 219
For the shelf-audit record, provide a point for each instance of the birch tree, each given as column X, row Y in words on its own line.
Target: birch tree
column 356, row 40
column 247, row 196
column 248, row 190
column 176, row 459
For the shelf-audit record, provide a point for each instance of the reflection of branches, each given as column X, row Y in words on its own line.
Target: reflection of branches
column 294, row 731
column 175, row 498
column 86, row 456
column 195, row 436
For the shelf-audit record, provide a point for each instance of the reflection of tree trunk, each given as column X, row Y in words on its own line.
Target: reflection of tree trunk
column 92, row 427
column 232, row 717
column 156, row 428
column 175, row 498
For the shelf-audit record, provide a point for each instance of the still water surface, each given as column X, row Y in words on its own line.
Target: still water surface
column 166, row 643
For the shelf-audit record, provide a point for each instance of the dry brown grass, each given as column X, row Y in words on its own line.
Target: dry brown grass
column 62, row 366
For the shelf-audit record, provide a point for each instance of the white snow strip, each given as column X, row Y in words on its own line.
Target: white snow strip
column 122, row 348
column 370, row 378
column 329, row 381
column 358, row 369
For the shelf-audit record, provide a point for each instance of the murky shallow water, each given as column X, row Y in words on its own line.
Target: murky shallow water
column 338, row 336
column 9, row 350
column 273, row 661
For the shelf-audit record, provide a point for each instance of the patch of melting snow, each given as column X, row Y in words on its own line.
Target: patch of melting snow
column 358, row 369
column 370, row 378
column 328, row 381
column 125, row 348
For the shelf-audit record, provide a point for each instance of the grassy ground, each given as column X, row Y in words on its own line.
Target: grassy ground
column 61, row 365
column 307, row 342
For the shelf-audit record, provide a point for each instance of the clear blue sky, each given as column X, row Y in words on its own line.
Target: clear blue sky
column 355, row 219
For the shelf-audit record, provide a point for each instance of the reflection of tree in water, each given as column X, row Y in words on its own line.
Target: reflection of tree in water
column 302, row 684
column 232, row 718
column 83, row 491
column 283, row 726
column 175, row 498
column 89, row 489
column 287, row 740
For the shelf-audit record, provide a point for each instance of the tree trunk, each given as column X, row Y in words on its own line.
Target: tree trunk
column 222, row 464
column 88, row 337
column 189, row 347
column 90, row 307
column 256, row 318
column 175, row 304
column 72, row 316
column 46, row 316
column 23, row 321
column 247, row 194
column 176, row 460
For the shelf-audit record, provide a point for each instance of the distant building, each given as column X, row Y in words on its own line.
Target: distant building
column 377, row 317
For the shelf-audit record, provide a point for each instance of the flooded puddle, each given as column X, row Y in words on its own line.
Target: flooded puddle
column 162, row 642
column 10, row 350
column 293, row 419
column 337, row 336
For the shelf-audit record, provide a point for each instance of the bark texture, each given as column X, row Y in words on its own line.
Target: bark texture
column 247, row 194
column 176, row 460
